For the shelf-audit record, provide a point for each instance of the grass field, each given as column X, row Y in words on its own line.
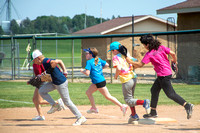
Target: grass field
column 48, row 48
column 20, row 91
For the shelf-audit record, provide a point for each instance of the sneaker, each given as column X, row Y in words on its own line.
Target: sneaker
column 80, row 121
column 189, row 110
column 133, row 118
column 146, row 105
column 124, row 109
column 54, row 108
column 60, row 102
column 150, row 115
column 38, row 118
column 92, row 110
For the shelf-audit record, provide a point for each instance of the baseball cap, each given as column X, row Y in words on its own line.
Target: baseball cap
column 87, row 50
column 35, row 54
column 114, row 46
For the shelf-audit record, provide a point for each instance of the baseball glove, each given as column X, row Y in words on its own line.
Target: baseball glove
column 174, row 67
column 45, row 77
column 123, row 50
column 35, row 81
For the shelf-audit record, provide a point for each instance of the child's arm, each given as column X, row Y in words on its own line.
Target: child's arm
column 86, row 72
column 61, row 64
column 135, row 64
column 173, row 55
column 106, row 65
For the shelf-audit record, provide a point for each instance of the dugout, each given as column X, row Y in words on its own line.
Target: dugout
column 188, row 13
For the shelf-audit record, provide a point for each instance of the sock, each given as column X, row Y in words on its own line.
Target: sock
column 133, row 112
column 139, row 102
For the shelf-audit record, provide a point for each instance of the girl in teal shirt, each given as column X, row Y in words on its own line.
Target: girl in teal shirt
column 94, row 69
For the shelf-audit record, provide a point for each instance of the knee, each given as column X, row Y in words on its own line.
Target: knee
column 171, row 95
column 129, row 102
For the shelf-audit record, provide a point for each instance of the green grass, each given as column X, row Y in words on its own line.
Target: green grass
column 48, row 48
column 20, row 91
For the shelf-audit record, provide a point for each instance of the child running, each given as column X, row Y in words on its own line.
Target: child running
column 37, row 99
column 59, row 82
column 157, row 55
column 128, row 79
column 94, row 69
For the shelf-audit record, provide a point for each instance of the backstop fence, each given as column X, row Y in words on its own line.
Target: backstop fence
column 15, row 54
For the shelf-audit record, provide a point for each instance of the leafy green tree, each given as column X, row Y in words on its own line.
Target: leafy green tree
column 1, row 31
column 78, row 22
column 14, row 27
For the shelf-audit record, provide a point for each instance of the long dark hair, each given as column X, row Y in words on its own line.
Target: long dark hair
column 148, row 39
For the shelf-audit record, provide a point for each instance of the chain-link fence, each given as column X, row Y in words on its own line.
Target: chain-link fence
column 15, row 54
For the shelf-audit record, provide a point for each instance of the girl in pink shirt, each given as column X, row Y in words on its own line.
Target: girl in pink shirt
column 157, row 55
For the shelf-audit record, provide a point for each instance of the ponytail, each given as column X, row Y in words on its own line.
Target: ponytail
column 96, row 60
column 94, row 55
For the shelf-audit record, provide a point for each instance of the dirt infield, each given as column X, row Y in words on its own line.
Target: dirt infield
column 109, row 119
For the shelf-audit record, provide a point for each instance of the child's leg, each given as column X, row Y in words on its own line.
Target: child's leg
column 64, row 93
column 89, row 93
column 36, row 102
column 155, row 90
column 170, row 92
column 128, row 92
column 104, row 91
column 43, row 91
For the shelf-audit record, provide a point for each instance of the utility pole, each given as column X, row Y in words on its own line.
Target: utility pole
column 101, row 11
column 85, row 17
column 8, row 17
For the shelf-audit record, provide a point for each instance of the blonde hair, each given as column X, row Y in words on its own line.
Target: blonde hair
column 95, row 53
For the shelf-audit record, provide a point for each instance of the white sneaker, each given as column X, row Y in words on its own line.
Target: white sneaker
column 38, row 118
column 80, row 121
column 54, row 108
column 93, row 111
column 124, row 109
column 60, row 102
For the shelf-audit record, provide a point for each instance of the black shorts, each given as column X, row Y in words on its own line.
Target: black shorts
column 101, row 84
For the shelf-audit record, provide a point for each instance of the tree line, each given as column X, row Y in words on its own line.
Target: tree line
column 53, row 24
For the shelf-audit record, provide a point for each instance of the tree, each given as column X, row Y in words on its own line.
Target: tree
column 78, row 22
column 14, row 27
column 1, row 31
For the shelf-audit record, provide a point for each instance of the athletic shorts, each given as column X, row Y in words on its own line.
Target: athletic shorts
column 101, row 84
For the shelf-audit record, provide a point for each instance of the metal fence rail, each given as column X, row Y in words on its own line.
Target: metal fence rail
column 35, row 42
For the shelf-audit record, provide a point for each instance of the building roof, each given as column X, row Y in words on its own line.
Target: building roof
column 183, row 7
column 117, row 23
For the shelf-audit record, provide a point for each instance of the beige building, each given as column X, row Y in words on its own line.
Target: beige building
column 123, row 25
column 188, row 13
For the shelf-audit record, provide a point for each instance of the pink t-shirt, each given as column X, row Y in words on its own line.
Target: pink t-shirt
column 159, row 60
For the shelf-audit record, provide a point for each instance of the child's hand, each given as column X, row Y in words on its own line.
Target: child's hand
column 65, row 74
column 81, row 70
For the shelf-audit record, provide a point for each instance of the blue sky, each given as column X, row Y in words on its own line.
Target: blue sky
column 34, row 8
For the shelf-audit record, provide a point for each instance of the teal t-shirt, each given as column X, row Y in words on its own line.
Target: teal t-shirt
column 96, row 72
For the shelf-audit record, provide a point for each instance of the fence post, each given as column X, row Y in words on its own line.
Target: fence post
column 72, row 60
column 12, row 58
column 111, row 64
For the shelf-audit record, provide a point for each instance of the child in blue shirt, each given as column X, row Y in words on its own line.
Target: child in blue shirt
column 94, row 69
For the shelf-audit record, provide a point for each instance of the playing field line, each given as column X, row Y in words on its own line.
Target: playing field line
column 15, row 101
